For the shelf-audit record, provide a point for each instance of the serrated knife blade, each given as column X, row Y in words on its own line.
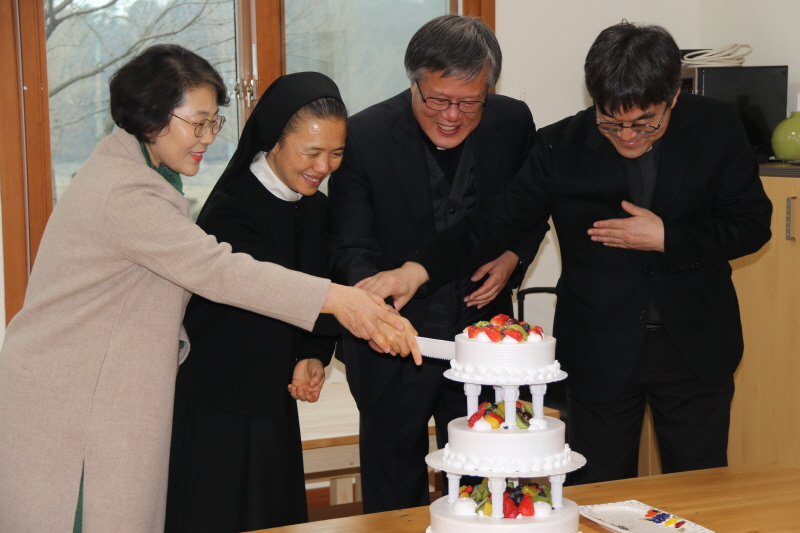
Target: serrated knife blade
column 436, row 349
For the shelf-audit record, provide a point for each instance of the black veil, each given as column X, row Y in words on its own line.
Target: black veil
column 282, row 99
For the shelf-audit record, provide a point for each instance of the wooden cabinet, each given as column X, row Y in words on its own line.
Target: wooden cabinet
column 765, row 416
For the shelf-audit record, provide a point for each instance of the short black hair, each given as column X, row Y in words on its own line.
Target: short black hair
column 458, row 46
column 327, row 108
column 145, row 90
column 632, row 66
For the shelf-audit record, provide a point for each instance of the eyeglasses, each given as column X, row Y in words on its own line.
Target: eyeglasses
column 644, row 129
column 441, row 104
column 200, row 128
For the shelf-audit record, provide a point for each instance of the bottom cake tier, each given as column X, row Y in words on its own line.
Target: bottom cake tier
column 445, row 520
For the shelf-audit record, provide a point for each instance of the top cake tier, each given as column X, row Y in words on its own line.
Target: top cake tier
column 505, row 363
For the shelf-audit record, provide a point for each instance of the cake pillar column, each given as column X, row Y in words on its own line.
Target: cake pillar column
column 510, row 395
column 537, row 395
column 472, row 390
column 498, row 394
column 556, row 490
column 453, row 482
column 497, row 486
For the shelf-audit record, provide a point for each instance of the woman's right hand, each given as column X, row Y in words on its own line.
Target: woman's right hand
column 368, row 317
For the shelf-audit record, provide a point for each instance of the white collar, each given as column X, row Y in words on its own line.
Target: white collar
column 261, row 169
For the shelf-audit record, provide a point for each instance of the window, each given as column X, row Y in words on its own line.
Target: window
column 356, row 43
column 88, row 40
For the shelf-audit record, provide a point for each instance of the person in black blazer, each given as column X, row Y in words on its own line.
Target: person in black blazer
column 415, row 164
column 236, row 461
column 652, row 192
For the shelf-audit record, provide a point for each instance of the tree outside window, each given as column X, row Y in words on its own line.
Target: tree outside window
column 88, row 40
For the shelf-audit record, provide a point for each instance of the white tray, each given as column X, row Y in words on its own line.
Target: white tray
column 637, row 517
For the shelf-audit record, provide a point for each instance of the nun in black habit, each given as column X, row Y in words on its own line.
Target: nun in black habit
column 236, row 461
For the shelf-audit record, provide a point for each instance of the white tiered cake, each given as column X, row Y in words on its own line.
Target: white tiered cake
column 507, row 453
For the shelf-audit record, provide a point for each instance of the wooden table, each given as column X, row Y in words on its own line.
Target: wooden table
column 738, row 499
column 329, row 429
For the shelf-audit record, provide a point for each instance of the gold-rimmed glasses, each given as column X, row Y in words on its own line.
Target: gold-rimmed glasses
column 200, row 128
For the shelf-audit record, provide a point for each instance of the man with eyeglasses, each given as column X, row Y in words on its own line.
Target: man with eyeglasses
column 414, row 165
column 651, row 192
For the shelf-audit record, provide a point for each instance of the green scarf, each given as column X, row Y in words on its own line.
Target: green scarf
column 168, row 174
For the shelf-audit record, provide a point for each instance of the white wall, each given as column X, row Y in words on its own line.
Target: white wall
column 545, row 43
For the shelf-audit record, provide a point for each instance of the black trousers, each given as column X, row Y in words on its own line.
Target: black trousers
column 394, row 434
column 691, row 418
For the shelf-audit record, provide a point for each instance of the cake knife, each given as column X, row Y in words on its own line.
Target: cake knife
column 436, row 349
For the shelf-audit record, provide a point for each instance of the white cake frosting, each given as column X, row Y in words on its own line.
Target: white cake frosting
column 445, row 519
column 532, row 450
column 495, row 363
column 504, row 453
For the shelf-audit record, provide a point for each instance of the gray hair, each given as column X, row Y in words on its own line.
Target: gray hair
column 459, row 47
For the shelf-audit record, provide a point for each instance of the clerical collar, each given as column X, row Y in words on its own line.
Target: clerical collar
column 446, row 158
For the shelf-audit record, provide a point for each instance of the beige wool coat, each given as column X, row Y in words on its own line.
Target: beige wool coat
column 88, row 367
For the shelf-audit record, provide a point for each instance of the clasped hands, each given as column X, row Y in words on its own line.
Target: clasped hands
column 368, row 317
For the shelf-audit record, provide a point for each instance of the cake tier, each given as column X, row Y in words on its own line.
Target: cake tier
column 445, row 520
column 512, row 363
column 509, row 452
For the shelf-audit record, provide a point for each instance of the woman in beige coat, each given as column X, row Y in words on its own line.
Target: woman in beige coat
column 87, row 371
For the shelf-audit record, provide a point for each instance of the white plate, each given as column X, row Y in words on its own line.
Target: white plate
column 632, row 516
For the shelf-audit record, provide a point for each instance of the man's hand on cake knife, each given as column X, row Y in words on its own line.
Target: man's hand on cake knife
column 401, row 283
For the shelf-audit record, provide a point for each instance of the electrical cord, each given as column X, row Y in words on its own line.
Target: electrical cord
column 727, row 56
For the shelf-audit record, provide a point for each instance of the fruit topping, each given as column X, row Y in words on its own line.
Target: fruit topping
column 494, row 414
column 536, row 330
column 526, row 500
column 503, row 328
column 472, row 331
column 477, row 415
column 495, row 335
column 494, row 419
column 499, row 320
column 509, row 507
column 526, row 506
column 514, row 334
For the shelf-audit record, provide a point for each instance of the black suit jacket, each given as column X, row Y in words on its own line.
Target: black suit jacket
column 380, row 207
column 241, row 361
column 714, row 209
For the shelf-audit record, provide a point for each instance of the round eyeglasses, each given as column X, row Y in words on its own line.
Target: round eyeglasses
column 441, row 104
column 644, row 129
column 202, row 127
